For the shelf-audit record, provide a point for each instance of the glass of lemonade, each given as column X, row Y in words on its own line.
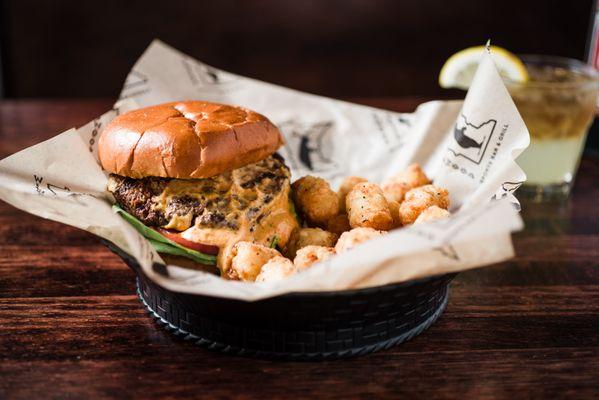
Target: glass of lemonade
column 557, row 104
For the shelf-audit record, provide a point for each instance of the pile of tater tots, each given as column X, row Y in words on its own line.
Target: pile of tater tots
column 334, row 222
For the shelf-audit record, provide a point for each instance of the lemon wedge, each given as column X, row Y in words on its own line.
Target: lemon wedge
column 459, row 69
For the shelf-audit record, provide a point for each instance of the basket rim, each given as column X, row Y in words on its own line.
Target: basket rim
column 237, row 350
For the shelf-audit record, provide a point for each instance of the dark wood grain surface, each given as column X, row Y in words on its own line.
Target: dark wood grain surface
column 72, row 327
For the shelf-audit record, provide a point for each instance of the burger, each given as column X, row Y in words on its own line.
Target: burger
column 196, row 177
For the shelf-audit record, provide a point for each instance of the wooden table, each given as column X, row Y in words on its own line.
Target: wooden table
column 71, row 325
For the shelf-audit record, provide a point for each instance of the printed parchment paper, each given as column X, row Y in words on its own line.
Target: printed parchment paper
column 467, row 147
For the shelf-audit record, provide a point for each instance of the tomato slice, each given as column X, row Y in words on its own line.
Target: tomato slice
column 175, row 236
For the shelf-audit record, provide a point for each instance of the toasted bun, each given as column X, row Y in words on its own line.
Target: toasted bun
column 186, row 139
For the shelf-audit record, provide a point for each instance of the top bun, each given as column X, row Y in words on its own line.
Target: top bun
column 185, row 140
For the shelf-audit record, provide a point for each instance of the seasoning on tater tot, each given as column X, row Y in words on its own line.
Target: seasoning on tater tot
column 399, row 184
column 315, row 199
column 306, row 256
column 248, row 259
column 338, row 224
column 419, row 199
column 433, row 213
column 367, row 207
column 346, row 186
column 310, row 236
column 356, row 236
column 276, row 269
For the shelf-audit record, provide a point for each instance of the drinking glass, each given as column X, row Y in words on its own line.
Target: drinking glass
column 557, row 104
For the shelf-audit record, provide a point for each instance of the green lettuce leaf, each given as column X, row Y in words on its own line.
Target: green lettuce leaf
column 293, row 211
column 194, row 255
column 273, row 242
column 161, row 243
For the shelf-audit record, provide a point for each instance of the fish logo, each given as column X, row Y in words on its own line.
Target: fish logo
column 308, row 146
column 463, row 140
column 471, row 140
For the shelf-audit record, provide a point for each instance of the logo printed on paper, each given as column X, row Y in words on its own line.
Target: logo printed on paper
column 135, row 85
column 96, row 126
column 62, row 191
column 391, row 128
column 95, row 131
column 471, row 140
column 448, row 251
column 507, row 189
column 204, row 76
column 309, row 145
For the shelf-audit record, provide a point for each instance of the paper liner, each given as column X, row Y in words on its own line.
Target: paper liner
column 467, row 147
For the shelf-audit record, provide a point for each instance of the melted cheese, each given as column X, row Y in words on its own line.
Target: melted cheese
column 247, row 204
column 278, row 220
column 179, row 222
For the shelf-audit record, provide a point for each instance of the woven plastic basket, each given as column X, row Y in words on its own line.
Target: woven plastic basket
column 299, row 326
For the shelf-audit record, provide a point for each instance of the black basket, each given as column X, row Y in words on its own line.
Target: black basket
column 298, row 326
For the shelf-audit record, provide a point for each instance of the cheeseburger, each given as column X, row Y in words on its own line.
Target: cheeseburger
column 196, row 177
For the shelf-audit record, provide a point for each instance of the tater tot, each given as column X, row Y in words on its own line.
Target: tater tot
column 399, row 184
column 306, row 256
column 394, row 209
column 355, row 237
column 338, row 224
column 310, row 236
column 317, row 237
column 315, row 199
column 433, row 213
column 248, row 259
column 367, row 207
column 276, row 269
column 419, row 199
column 395, row 191
column 346, row 186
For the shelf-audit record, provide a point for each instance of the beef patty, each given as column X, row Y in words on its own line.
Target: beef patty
column 216, row 202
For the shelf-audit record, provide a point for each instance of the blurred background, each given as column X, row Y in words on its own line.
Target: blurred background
column 338, row 48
